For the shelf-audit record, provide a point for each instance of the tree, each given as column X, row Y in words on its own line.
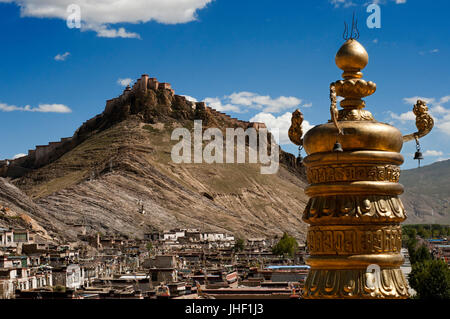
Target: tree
column 286, row 246
column 239, row 245
column 59, row 289
column 149, row 247
column 430, row 279
column 419, row 255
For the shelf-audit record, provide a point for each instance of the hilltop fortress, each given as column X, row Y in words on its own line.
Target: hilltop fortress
column 148, row 99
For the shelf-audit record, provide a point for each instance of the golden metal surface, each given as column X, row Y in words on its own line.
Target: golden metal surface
column 295, row 131
column 351, row 58
column 333, row 108
column 424, row 122
column 357, row 135
column 354, row 283
column 354, row 210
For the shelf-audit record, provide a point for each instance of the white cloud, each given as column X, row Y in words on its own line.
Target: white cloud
column 19, row 156
column 43, row 108
column 124, row 82
column 413, row 100
column 190, row 98
column 216, row 103
column 403, row 117
column 343, row 3
column 264, row 102
column 438, row 109
column 238, row 102
column 61, row 57
column 52, row 108
column 444, row 99
column 433, row 153
column 349, row 3
column 444, row 126
column 107, row 32
column 429, row 51
column 282, row 123
column 100, row 15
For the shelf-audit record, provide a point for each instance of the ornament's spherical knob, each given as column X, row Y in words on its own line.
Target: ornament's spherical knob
column 351, row 56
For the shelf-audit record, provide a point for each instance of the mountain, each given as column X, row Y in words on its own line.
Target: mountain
column 427, row 193
column 115, row 175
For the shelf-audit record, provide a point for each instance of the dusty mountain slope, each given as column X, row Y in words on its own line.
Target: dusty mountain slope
column 132, row 164
column 19, row 211
column 124, row 162
column 427, row 193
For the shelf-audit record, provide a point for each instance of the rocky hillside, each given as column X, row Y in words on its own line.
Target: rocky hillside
column 19, row 211
column 117, row 177
column 427, row 193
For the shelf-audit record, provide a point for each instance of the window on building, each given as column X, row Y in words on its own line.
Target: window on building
column 20, row 237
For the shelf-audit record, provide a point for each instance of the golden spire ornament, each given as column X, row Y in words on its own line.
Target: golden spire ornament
column 354, row 212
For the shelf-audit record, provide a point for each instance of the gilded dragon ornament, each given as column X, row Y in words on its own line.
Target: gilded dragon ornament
column 295, row 131
column 424, row 122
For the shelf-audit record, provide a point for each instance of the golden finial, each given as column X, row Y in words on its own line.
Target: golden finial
column 352, row 57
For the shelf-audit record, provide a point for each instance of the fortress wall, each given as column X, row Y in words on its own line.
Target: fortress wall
column 201, row 105
column 109, row 105
column 144, row 82
column 234, row 120
column 258, row 125
column 166, row 86
column 125, row 95
column 18, row 161
column 3, row 168
column 153, row 84
column 136, row 86
column 43, row 154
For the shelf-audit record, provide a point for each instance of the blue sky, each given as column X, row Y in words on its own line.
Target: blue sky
column 254, row 59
